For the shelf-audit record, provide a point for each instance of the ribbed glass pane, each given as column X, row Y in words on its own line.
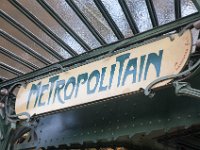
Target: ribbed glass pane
column 164, row 11
column 12, row 31
column 46, row 19
column 118, row 16
column 19, row 52
column 9, row 61
column 140, row 14
column 92, row 13
column 13, row 12
column 68, row 15
column 187, row 7
column 6, row 74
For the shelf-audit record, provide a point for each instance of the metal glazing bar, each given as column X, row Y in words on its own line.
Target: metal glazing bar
column 63, row 24
column 103, row 50
column 18, row 59
column 86, row 22
column 24, row 48
column 152, row 12
column 197, row 4
column 44, row 28
column 129, row 18
column 3, row 78
column 10, row 69
column 177, row 7
column 31, row 36
column 109, row 19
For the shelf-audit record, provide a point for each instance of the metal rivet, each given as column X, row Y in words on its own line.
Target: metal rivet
column 2, row 105
column 4, row 92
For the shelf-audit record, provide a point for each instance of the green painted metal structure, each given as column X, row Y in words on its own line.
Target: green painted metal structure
column 133, row 121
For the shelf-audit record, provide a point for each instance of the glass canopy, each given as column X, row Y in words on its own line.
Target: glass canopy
column 36, row 34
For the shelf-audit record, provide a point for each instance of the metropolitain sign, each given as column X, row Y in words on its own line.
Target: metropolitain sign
column 119, row 74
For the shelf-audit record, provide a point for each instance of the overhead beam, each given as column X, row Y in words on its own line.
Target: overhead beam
column 177, row 7
column 10, row 69
column 3, row 79
column 64, row 25
column 129, row 18
column 109, row 19
column 35, row 20
column 24, row 48
column 18, row 59
column 197, row 4
column 152, row 12
column 30, row 35
column 84, row 19
column 103, row 50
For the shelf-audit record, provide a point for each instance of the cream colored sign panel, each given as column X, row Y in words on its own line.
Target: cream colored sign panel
column 115, row 75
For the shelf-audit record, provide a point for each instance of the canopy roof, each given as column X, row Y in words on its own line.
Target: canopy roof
column 37, row 34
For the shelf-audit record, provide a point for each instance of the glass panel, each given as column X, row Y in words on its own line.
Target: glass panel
column 6, row 74
column 46, row 19
column 9, row 61
column 20, row 53
column 187, row 8
column 6, row 27
column 165, row 11
column 195, row 34
column 140, row 14
column 8, row 8
column 68, row 15
column 92, row 13
column 118, row 16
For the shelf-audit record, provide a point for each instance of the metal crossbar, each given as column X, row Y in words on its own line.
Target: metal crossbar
column 63, row 24
column 103, row 50
column 44, row 28
column 30, row 35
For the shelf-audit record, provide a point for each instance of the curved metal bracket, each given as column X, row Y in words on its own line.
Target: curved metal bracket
column 148, row 90
column 184, row 89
